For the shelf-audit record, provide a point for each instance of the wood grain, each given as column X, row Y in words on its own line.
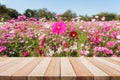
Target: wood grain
column 13, row 68
column 114, row 66
column 114, row 74
column 98, row 73
column 25, row 70
column 53, row 71
column 62, row 68
column 39, row 71
column 67, row 72
column 80, row 70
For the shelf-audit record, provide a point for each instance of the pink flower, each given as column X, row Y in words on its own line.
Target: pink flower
column 108, row 51
column 103, row 18
column 59, row 28
column 43, row 42
column 2, row 48
column 96, row 39
column 118, row 48
column 25, row 53
column 103, row 50
column 12, row 21
column 110, row 44
column 107, row 28
column 21, row 17
column 57, row 15
column 84, row 52
column 96, row 16
column 65, row 44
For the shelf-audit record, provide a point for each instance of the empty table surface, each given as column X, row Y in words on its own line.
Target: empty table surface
column 60, row 68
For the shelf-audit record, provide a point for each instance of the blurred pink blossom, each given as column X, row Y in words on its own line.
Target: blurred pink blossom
column 59, row 28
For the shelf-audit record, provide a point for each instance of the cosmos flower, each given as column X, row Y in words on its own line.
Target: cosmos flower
column 2, row 48
column 73, row 34
column 57, row 15
column 41, row 52
column 43, row 41
column 25, row 53
column 110, row 44
column 21, row 17
column 59, row 28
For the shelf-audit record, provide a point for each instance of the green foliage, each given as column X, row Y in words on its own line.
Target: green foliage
column 69, row 15
column 85, row 18
column 108, row 16
column 30, row 13
column 44, row 13
column 7, row 13
column 13, row 13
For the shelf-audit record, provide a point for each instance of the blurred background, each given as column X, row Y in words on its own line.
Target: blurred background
column 82, row 9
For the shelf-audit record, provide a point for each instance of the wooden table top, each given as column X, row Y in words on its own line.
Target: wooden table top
column 51, row 68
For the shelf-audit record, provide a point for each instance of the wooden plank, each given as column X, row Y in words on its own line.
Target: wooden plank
column 112, row 60
column 39, row 71
column 25, row 70
column 6, row 67
column 98, row 73
column 80, row 70
column 115, row 58
column 3, row 59
column 53, row 71
column 8, row 64
column 67, row 72
column 60, row 69
column 6, row 61
column 114, row 74
column 6, row 75
column 114, row 66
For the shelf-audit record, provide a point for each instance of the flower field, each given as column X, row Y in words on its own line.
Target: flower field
column 28, row 37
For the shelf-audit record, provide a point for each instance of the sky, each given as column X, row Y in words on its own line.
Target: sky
column 81, row 7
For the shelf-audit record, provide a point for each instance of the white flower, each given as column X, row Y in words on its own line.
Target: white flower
column 50, row 52
column 118, row 27
column 96, row 16
column 80, row 27
column 38, row 34
column 118, row 41
column 84, row 30
column 82, row 45
column 103, row 18
column 59, row 50
column 46, row 25
column 62, row 37
column 26, row 42
column 12, row 31
column 118, row 36
column 66, row 50
column 74, row 47
column 93, row 20
column 40, row 37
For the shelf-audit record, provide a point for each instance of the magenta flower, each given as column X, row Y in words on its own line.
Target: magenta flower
column 103, row 50
column 108, row 51
column 107, row 28
column 43, row 42
column 59, row 28
column 25, row 53
column 2, row 48
column 21, row 17
column 110, row 44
